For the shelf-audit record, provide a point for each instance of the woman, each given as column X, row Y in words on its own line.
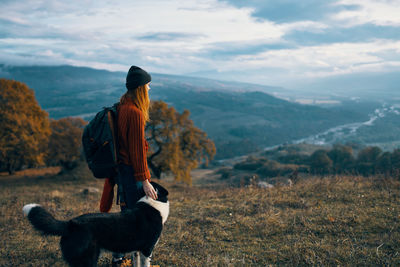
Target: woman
column 134, row 175
column 133, row 113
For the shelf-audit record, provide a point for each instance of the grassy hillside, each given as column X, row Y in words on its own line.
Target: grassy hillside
column 329, row 221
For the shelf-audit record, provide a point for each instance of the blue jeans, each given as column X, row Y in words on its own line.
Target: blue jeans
column 132, row 189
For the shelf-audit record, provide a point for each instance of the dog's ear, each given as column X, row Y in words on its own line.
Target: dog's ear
column 160, row 190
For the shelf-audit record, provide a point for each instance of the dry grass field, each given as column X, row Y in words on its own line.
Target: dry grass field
column 336, row 221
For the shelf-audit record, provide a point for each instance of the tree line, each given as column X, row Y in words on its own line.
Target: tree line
column 340, row 159
column 368, row 161
column 29, row 138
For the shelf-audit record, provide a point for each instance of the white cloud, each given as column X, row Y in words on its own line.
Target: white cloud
column 317, row 61
column 116, row 34
column 88, row 30
column 378, row 12
column 305, row 26
column 126, row 19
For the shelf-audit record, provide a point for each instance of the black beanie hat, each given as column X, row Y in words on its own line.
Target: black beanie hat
column 136, row 77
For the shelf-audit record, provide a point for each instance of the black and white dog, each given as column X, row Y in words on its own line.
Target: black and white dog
column 83, row 237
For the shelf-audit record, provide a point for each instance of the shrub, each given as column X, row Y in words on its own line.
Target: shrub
column 320, row 163
column 250, row 164
column 65, row 142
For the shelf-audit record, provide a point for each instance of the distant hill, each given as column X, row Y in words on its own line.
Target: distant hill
column 239, row 117
column 384, row 86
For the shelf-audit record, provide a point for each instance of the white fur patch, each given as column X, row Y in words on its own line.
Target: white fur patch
column 27, row 208
column 162, row 207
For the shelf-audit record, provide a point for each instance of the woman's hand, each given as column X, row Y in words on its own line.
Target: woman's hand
column 149, row 190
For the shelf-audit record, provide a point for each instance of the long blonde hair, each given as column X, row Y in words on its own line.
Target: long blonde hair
column 140, row 97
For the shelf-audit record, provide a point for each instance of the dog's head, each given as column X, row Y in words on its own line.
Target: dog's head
column 162, row 193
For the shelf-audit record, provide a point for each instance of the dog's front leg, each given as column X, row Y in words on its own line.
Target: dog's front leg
column 137, row 258
column 144, row 261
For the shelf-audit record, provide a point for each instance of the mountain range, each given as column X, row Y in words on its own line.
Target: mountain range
column 239, row 117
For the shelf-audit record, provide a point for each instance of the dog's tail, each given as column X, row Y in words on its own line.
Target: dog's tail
column 43, row 221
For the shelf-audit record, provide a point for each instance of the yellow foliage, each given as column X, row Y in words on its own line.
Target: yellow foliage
column 65, row 142
column 176, row 145
column 24, row 127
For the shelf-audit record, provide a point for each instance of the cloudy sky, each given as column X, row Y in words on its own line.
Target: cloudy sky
column 273, row 42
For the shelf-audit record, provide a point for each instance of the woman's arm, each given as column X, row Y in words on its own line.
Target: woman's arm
column 138, row 152
column 137, row 145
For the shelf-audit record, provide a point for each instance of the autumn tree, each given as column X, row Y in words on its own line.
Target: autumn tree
column 24, row 127
column 64, row 147
column 176, row 145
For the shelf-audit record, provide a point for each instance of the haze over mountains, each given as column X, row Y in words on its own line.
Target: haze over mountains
column 240, row 118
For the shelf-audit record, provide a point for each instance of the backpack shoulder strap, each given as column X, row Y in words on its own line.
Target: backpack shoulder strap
column 112, row 115
column 113, row 121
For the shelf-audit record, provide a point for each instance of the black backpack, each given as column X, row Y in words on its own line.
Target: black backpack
column 100, row 144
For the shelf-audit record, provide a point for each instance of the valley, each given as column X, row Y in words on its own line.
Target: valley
column 240, row 118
